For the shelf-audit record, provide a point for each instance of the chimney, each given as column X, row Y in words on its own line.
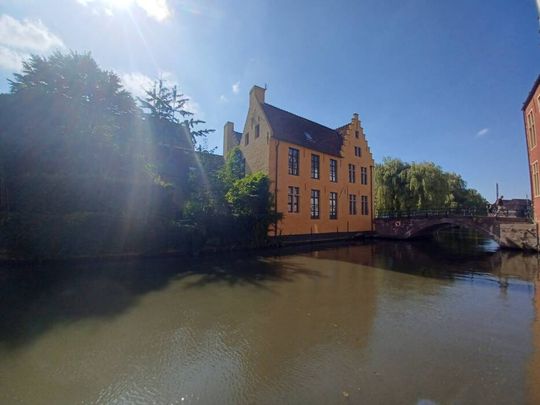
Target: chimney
column 257, row 93
column 355, row 117
column 229, row 138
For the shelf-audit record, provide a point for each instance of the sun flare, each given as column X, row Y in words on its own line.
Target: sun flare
column 118, row 4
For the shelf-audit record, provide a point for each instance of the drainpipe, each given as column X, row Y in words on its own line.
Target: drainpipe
column 371, row 186
column 276, row 188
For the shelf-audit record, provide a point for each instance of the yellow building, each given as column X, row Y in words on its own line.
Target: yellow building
column 321, row 177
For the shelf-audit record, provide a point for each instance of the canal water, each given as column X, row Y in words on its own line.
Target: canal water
column 451, row 320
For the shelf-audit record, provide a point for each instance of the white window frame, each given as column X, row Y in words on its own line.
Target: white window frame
column 535, row 179
column 531, row 130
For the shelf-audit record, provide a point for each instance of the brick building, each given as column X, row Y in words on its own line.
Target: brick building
column 321, row 177
column 531, row 117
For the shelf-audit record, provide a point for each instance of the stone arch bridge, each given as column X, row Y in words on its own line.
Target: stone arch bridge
column 508, row 232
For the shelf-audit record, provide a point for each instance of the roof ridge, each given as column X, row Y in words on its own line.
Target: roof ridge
column 299, row 116
column 531, row 93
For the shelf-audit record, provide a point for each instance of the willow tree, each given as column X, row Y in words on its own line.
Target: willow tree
column 391, row 192
column 427, row 186
column 402, row 186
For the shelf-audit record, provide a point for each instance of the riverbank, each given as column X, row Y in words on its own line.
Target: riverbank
column 274, row 244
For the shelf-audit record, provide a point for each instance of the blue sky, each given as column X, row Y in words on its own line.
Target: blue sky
column 431, row 80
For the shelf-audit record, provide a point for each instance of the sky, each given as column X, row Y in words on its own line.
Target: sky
column 440, row 81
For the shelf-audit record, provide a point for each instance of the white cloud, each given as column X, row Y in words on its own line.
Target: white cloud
column 11, row 59
column 27, row 34
column 223, row 98
column 236, row 88
column 482, row 132
column 156, row 9
column 20, row 38
column 136, row 83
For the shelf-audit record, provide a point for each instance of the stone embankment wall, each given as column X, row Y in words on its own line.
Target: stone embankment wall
column 519, row 236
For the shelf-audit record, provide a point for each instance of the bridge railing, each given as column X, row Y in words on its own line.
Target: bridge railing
column 433, row 213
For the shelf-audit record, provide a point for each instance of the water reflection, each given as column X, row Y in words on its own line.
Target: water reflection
column 533, row 382
column 35, row 298
column 381, row 322
column 462, row 241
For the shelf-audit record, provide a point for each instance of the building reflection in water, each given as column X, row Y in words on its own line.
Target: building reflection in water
column 534, row 367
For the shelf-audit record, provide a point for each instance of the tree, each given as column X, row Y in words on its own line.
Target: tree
column 166, row 106
column 427, row 186
column 401, row 186
column 234, row 167
column 391, row 192
column 251, row 204
column 63, row 113
column 74, row 161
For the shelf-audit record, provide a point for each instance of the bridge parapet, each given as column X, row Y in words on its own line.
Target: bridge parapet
column 440, row 212
column 448, row 212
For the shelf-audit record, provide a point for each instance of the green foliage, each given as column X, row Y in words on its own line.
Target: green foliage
column 165, row 103
column 234, row 168
column 60, row 193
column 76, row 78
column 228, row 208
column 206, row 189
column 251, row 204
column 391, row 185
column 85, row 172
column 250, row 196
column 401, row 186
column 74, row 162
column 49, row 236
column 167, row 108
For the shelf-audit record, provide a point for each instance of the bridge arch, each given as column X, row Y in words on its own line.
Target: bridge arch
column 429, row 227
column 509, row 232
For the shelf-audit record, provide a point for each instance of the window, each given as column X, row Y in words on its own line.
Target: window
column 352, row 173
column 536, row 180
column 357, row 134
column 363, row 175
column 333, row 205
column 293, row 199
column 315, row 166
column 532, row 130
column 364, row 208
column 352, row 204
column 246, row 138
column 315, row 205
column 333, row 170
column 357, row 151
column 294, row 156
column 257, row 130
